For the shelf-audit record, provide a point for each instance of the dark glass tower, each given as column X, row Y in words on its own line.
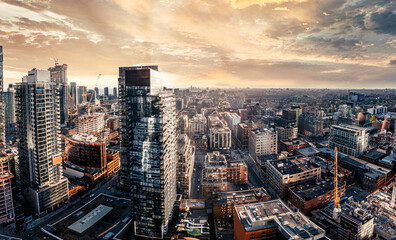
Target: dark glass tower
column 148, row 148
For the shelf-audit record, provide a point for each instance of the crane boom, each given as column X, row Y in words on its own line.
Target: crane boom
column 92, row 97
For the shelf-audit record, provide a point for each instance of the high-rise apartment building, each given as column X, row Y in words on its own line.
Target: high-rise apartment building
column 2, row 120
column 9, row 110
column 263, row 143
column 349, row 139
column 37, row 117
column 148, row 148
column 59, row 75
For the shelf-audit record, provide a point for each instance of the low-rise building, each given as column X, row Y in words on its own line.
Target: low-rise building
column 291, row 146
column 263, row 143
column 314, row 194
column 223, row 207
column 284, row 173
column 185, row 165
column 273, row 220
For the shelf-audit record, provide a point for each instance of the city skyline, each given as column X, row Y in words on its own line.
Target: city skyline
column 223, row 43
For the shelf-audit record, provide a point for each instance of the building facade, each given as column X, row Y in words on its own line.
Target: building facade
column 185, row 165
column 7, row 214
column 59, row 76
column 263, row 143
column 2, row 120
column 90, row 124
column 9, row 110
column 284, row 173
column 349, row 139
column 148, row 149
column 40, row 160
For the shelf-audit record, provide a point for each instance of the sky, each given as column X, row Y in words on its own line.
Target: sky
column 206, row 43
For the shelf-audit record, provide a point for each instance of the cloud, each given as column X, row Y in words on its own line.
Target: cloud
column 392, row 62
column 206, row 43
column 385, row 22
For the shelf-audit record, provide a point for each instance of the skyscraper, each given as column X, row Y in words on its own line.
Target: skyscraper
column 9, row 110
column 59, row 75
column 37, row 117
column 97, row 92
column 148, row 148
column 6, row 202
column 106, row 91
column 82, row 91
column 2, row 120
column 73, row 94
column 115, row 92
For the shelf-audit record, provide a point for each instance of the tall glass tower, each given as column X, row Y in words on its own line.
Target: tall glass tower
column 148, row 148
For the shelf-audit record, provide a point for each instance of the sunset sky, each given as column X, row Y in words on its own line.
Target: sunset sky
column 206, row 43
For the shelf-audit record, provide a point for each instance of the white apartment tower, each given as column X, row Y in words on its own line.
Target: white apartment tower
column 38, row 124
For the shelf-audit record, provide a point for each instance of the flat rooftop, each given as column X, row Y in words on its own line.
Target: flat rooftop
column 275, row 214
column 313, row 189
column 243, row 196
column 90, row 219
column 294, row 165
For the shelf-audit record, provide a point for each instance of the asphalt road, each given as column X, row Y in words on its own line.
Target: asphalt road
column 197, row 175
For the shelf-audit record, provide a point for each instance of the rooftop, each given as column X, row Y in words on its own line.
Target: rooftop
column 313, row 189
column 90, row 219
column 294, row 165
column 275, row 214
column 240, row 197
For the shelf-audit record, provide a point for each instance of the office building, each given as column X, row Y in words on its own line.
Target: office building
column 97, row 91
column 233, row 119
column 243, row 132
column 148, row 148
column 59, row 76
column 185, row 165
column 106, row 91
column 310, row 125
column 220, row 138
column 284, row 173
column 349, row 139
column 273, row 220
column 37, row 117
column 377, row 110
column 285, row 133
column 7, row 214
column 263, row 143
column 82, row 94
column 9, row 110
column 2, row 120
column 73, row 94
column 115, row 92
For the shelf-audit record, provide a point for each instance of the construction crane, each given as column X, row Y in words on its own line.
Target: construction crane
column 337, row 208
column 94, row 94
